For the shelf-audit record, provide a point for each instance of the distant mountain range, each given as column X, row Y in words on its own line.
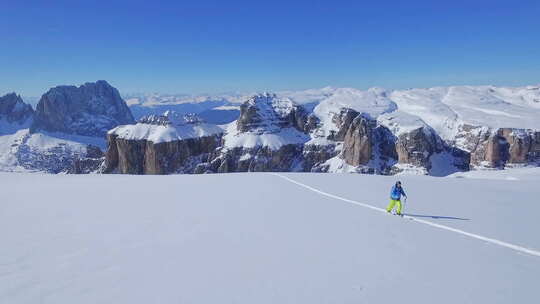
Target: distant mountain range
column 435, row 131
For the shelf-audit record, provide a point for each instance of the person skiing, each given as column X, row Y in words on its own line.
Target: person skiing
column 395, row 198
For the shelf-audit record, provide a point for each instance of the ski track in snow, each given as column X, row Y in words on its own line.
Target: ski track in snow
column 444, row 227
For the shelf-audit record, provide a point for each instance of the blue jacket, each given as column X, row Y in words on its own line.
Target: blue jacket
column 396, row 193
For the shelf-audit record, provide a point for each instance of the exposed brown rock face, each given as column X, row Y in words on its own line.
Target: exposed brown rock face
column 112, row 155
column 343, row 121
column 501, row 147
column 416, row 147
column 364, row 142
column 146, row 157
column 519, row 144
column 358, row 142
column 176, row 156
column 131, row 155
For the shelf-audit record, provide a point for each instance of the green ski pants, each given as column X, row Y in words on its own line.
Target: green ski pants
column 392, row 204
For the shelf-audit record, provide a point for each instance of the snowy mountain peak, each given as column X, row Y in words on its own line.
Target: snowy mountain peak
column 266, row 113
column 271, row 103
column 14, row 110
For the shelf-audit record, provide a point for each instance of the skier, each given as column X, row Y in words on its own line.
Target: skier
column 395, row 198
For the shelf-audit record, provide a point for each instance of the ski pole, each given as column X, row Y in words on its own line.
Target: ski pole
column 404, row 203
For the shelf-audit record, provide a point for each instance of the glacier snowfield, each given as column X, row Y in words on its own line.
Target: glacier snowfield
column 266, row 238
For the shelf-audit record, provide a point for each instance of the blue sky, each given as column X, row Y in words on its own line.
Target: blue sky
column 217, row 46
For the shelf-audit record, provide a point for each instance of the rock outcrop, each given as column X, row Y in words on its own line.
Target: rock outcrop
column 145, row 157
column 91, row 162
column 505, row 146
column 89, row 110
column 276, row 134
column 268, row 113
column 14, row 110
column 260, row 159
column 417, row 146
column 279, row 125
column 364, row 143
column 43, row 140
column 358, row 142
column 188, row 142
column 315, row 156
column 434, row 131
column 282, row 122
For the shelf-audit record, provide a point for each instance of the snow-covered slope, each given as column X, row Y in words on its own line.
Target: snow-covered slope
column 273, row 140
column 446, row 108
column 258, row 238
column 48, row 152
column 442, row 108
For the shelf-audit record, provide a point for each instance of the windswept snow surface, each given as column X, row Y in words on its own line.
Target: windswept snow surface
column 280, row 137
column 259, row 238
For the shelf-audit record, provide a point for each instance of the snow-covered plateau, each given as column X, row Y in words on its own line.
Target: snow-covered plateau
column 268, row 238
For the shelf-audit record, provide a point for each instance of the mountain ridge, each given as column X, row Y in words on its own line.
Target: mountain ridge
column 434, row 131
column 379, row 131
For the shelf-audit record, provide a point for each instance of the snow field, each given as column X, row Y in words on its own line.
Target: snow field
column 258, row 238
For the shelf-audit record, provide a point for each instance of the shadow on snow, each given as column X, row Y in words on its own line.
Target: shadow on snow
column 437, row 217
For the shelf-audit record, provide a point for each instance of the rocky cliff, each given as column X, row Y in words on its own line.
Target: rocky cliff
column 269, row 135
column 13, row 110
column 66, row 134
column 497, row 148
column 369, row 135
column 89, row 110
column 434, row 131
column 162, row 144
